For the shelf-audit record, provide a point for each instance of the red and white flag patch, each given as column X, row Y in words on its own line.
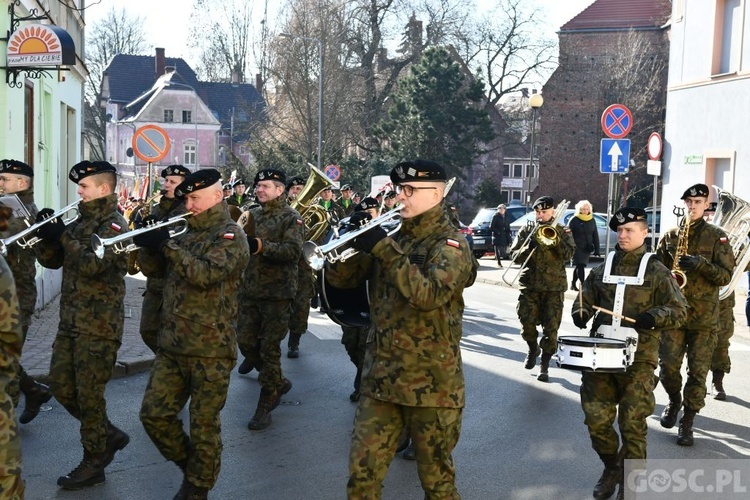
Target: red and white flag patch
column 228, row 236
column 299, row 222
column 452, row 243
column 723, row 239
column 116, row 227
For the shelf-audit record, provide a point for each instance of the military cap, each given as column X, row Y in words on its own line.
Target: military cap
column 270, row 174
column 197, row 181
column 227, row 187
column 696, row 190
column 239, row 182
column 625, row 215
column 327, row 188
column 175, row 170
column 368, row 202
column 346, row 187
column 86, row 168
column 390, row 194
column 296, row 181
column 417, row 170
column 543, row 203
column 16, row 167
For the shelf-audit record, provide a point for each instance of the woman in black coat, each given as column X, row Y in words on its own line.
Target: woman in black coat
column 586, row 236
column 500, row 228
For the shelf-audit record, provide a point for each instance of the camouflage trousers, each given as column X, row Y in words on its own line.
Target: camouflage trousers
column 354, row 340
column 377, row 427
column 79, row 371
column 151, row 319
column 14, row 387
column 174, row 380
column 720, row 359
column 11, row 484
column 301, row 303
column 630, row 396
column 699, row 347
column 540, row 308
column 261, row 328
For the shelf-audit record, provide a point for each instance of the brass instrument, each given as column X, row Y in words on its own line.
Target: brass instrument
column 733, row 216
column 26, row 243
column 683, row 232
column 99, row 244
column 316, row 218
column 143, row 212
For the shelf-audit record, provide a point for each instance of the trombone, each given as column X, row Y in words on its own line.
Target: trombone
column 26, row 243
column 120, row 244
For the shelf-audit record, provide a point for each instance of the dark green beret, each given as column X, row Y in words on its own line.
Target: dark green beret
column 16, row 167
column 86, row 168
column 696, row 190
column 270, row 174
column 625, row 215
column 417, row 170
column 197, row 181
column 175, row 170
column 543, row 203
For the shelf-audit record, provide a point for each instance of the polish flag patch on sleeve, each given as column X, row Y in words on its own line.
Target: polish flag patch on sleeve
column 299, row 222
column 228, row 236
column 452, row 243
column 116, row 227
column 723, row 239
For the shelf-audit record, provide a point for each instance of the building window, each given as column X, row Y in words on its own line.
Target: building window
column 518, row 170
column 530, row 171
column 243, row 150
column 504, row 194
column 515, row 195
column 168, row 115
column 727, row 37
column 506, row 170
column 188, row 154
column 187, row 116
column 28, row 129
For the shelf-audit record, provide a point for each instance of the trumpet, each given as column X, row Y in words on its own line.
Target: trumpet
column 120, row 244
column 26, row 243
column 338, row 249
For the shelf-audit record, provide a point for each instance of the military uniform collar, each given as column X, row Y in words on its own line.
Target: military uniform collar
column 424, row 224
column 697, row 224
column 209, row 217
column 98, row 207
column 274, row 204
column 26, row 196
column 633, row 257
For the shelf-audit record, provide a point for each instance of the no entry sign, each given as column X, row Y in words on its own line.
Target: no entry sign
column 150, row 143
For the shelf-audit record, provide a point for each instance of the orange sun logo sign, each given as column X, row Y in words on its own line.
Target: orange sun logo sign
column 35, row 44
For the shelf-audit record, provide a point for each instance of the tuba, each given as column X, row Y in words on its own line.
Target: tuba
column 316, row 218
column 733, row 216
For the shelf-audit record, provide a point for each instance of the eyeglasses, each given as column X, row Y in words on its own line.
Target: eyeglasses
column 408, row 190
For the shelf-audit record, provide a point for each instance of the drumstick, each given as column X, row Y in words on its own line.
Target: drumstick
column 580, row 301
column 612, row 313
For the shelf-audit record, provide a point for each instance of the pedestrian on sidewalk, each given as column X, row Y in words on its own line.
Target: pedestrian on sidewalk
column 500, row 227
column 586, row 236
column 91, row 315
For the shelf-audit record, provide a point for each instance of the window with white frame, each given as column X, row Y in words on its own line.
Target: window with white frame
column 168, row 115
column 515, row 195
column 187, row 116
column 188, row 154
column 530, row 170
column 518, row 170
column 728, row 36
column 506, row 170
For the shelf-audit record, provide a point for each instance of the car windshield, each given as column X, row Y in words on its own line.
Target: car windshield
column 483, row 217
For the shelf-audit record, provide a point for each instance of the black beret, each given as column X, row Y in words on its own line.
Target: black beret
column 543, row 203
column 197, row 181
column 270, row 174
column 696, row 190
column 417, row 170
column 239, row 182
column 16, row 167
column 367, row 203
column 85, row 168
column 346, row 187
column 390, row 194
column 625, row 215
column 175, row 170
column 296, row 181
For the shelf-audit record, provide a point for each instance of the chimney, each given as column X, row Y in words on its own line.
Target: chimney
column 258, row 82
column 161, row 62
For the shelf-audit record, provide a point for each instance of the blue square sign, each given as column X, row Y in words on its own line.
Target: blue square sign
column 615, row 156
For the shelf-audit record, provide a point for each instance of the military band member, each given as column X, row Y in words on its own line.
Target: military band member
column 268, row 289
column 16, row 177
column 650, row 296
column 91, row 315
column 240, row 197
column 707, row 265
column 542, row 282
column 197, row 342
column 327, row 202
column 346, row 203
column 412, row 374
column 169, row 206
column 227, row 190
column 721, row 364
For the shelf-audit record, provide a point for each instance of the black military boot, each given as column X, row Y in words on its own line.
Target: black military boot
column 189, row 491
column 245, row 367
column 718, row 379
column 267, row 402
column 685, row 432
column 544, row 368
column 286, row 386
column 36, row 395
column 409, row 453
column 534, row 351
column 669, row 416
column 116, row 441
column 88, row 473
column 354, row 396
column 293, row 352
column 610, row 477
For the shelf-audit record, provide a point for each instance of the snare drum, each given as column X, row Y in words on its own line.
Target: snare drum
column 593, row 354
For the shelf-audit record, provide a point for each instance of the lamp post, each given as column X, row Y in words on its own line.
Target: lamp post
column 320, row 89
column 535, row 102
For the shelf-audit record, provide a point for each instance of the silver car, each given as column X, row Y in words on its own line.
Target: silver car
column 601, row 226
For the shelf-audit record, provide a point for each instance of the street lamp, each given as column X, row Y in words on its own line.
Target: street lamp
column 535, row 102
column 320, row 89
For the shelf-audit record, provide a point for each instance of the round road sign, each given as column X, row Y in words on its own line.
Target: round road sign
column 617, row 121
column 332, row 171
column 654, row 146
column 150, row 143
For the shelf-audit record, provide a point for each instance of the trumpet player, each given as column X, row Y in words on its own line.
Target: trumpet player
column 542, row 282
column 707, row 261
column 168, row 206
column 16, row 177
column 91, row 316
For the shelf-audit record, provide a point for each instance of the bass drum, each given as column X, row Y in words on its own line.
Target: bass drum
column 345, row 306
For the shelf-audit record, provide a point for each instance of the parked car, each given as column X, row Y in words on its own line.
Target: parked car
column 650, row 217
column 480, row 227
column 601, row 226
column 466, row 231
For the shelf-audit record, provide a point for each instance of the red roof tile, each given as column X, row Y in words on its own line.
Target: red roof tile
column 621, row 14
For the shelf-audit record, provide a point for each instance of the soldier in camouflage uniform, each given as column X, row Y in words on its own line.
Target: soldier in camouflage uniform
column 268, row 290
column 11, row 341
column 720, row 362
column 656, row 304
column 91, row 315
column 413, row 375
column 197, row 341
column 708, row 265
column 169, row 206
column 16, row 177
column 542, row 282
column 240, row 197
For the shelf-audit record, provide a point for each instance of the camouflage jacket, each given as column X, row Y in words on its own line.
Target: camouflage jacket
column 659, row 296
column 93, row 289
column 703, row 283
column 336, row 210
column 11, row 340
column 417, row 278
column 272, row 273
column 204, row 268
column 22, row 261
column 545, row 270
column 167, row 208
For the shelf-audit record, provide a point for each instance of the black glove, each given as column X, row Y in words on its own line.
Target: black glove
column 580, row 318
column 44, row 214
column 253, row 243
column 689, row 262
column 359, row 218
column 367, row 241
column 51, row 231
column 155, row 239
column 645, row 321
